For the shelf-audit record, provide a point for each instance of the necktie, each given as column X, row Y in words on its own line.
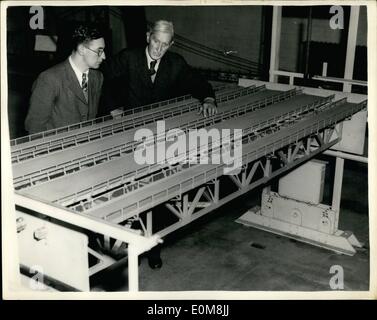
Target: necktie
column 84, row 86
column 152, row 71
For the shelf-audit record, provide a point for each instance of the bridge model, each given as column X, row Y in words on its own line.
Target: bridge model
column 80, row 193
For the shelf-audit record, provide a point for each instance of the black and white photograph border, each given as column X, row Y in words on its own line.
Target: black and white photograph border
column 277, row 201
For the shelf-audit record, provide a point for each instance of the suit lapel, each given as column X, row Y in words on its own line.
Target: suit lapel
column 73, row 83
column 162, row 76
column 144, row 68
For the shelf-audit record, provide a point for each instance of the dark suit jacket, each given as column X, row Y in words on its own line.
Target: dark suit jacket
column 57, row 99
column 174, row 78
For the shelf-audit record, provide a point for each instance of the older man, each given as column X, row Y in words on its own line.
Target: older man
column 70, row 91
column 154, row 73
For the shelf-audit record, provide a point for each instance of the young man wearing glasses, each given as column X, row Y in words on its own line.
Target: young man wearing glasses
column 69, row 92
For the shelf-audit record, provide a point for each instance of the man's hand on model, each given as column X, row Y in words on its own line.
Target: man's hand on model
column 208, row 108
column 117, row 113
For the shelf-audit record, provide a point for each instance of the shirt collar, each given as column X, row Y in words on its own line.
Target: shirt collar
column 77, row 70
column 149, row 59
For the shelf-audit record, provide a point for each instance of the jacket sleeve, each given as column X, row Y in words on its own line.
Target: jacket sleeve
column 194, row 83
column 42, row 102
column 100, row 89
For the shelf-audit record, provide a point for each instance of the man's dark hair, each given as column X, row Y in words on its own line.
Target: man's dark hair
column 85, row 33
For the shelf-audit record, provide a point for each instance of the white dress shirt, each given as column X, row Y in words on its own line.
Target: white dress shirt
column 78, row 73
column 149, row 59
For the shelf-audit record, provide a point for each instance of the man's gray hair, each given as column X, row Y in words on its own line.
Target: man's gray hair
column 162, row 26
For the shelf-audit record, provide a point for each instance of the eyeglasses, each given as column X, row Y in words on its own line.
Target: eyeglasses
column 99, row 53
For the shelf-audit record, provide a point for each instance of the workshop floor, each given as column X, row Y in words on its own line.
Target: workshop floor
column 216, row 253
